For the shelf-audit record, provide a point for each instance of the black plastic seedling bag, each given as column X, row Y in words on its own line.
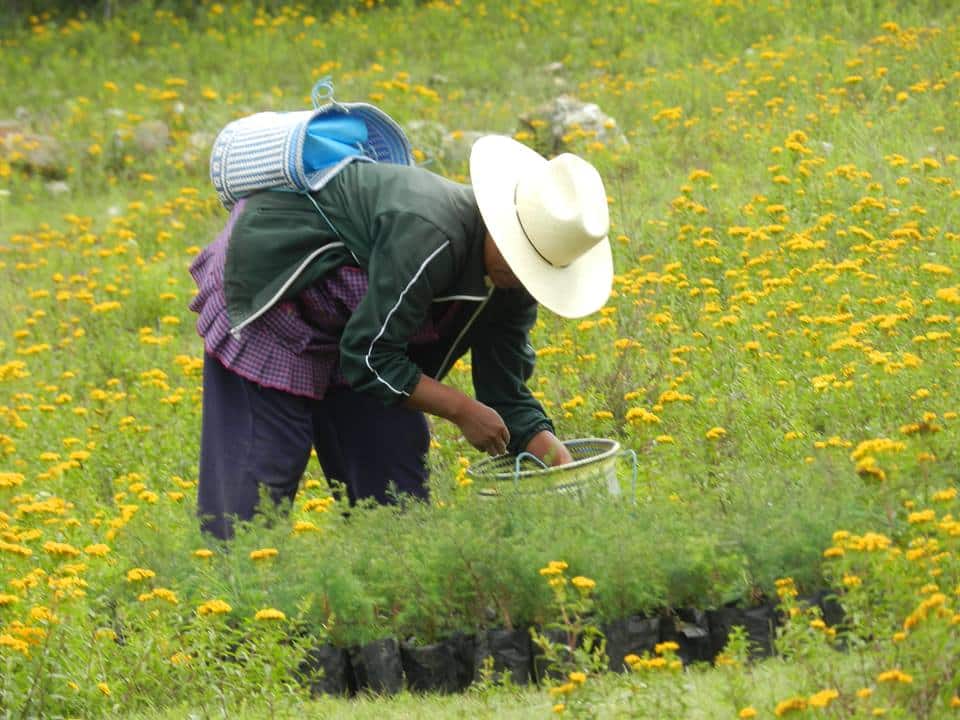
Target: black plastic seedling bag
column 688, row 627
column 830, row 607
column 511, row 653
column 633, row 635
column 377, row 666
column 327, row 670
column 759, row 622
column 445, row 666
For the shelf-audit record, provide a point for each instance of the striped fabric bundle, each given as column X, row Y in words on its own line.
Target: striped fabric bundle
column 302, row 150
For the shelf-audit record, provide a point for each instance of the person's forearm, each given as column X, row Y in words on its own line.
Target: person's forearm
column 433, row 397
column 482, row 426
column 548, row 447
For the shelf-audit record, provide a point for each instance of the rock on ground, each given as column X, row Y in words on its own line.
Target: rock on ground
column 41, row 154
column 151, row 136
column 567, row 118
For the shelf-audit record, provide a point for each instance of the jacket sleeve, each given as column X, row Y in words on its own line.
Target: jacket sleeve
column 410, row 264
column 502, row 362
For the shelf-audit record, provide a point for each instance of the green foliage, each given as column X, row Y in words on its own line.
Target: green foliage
column 780, row 351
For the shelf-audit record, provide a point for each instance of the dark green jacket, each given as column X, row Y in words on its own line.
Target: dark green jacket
column 420, row 239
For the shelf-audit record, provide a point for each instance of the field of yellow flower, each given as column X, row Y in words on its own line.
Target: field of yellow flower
column 781, row 352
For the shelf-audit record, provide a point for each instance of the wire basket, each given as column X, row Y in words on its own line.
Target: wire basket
column 594, row 468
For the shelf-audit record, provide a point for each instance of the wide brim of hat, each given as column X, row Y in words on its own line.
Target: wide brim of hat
column 580, row 288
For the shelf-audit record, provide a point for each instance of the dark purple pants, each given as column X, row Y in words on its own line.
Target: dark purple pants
column 254, row 437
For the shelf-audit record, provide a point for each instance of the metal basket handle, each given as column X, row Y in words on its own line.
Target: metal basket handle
column 519, row 459
column 633, row 472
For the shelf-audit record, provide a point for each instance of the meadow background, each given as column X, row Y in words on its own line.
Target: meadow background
column 780, row 351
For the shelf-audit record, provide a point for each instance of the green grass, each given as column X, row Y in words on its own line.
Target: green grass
column 780, row 353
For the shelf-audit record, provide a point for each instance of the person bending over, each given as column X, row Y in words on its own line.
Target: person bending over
column 330, row 319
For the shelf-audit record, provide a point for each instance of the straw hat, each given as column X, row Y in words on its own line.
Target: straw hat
column 549, row 219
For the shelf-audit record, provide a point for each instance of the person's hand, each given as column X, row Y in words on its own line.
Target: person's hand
column 483, row 427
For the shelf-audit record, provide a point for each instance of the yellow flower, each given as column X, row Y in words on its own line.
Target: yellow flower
column 10, row 479
column 16, row 644
column 319, row 504
column 203, row 553
column 747, row 712
column 104, row 688
column 263, row 553
column 945, row 495
column 57, row 548
column 643, row 415
column 269, row 614
column 583, row 584
column 138, row 574
column 656, row 663
column 665, row 647
column 823, row 698
column 715, row 433
column 302, row 526
column 895, row 676
column 160, row 594
column 41, row 613
column 795, row 704
column 559, row 708
column 214, row 607
column 577, row 677
column 554, row 567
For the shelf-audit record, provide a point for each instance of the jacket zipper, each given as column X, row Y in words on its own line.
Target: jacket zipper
column 463, row 332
